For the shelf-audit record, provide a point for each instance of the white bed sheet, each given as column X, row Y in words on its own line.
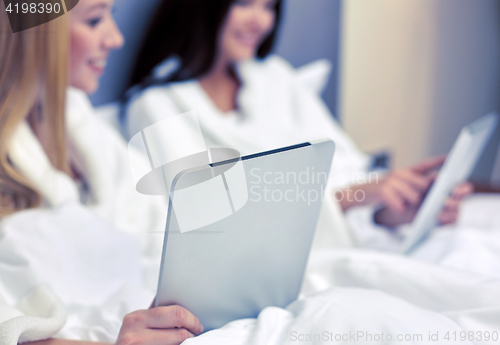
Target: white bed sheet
column 375, row 293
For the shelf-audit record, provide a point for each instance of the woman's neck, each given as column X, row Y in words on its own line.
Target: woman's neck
column 222, row 85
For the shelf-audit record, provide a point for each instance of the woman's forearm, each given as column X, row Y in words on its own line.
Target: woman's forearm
column 357, row 195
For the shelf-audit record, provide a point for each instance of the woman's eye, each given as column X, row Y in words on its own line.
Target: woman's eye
column 93, row 22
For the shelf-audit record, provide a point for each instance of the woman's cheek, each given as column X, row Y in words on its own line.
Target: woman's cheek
column 80, row 75
column 77, row 54
column 270, row 23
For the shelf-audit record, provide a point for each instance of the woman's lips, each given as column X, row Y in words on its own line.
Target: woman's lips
column 250, row 40
column 97, row 66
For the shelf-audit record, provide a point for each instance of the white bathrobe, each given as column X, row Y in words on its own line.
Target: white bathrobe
column 277, row 106
column 89, row 253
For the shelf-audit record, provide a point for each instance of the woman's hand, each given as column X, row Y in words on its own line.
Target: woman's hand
column 402, row 191
column 449, row 213
column 399, row 190
column 159, row 326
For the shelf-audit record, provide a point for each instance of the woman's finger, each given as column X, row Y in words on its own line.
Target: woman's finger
column 463, row 190
column 405, row 190
column 418, row 181
column 432, row 176
column 171, row 336
column 429, row 164
column 451, row 204
column 172, row 317
column 448, row 217
column 392, row 200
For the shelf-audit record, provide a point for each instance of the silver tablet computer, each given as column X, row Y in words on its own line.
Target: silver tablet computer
column 456, row 169
column 239, row 231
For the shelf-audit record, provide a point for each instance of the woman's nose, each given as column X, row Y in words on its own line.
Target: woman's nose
column 114, row 39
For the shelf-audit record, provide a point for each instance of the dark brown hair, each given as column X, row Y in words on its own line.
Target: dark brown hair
column 188, row 30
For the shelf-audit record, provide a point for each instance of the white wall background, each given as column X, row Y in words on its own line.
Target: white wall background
column 415, row 71
column 311, row 31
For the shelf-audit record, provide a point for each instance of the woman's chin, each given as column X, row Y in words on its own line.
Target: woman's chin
column 247, row 55
column 242, row 55
column 89, row 87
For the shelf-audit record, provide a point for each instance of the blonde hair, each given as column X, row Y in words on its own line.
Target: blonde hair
column 34, row 67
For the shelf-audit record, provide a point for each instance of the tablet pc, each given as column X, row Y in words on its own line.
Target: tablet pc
column 239, row 231
column 457, row 168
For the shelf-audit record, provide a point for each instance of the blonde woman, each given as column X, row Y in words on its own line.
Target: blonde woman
column 77, row 243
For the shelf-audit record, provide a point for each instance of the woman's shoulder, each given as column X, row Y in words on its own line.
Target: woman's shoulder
column 156, row 103
column 161, row 92
column 269, row 67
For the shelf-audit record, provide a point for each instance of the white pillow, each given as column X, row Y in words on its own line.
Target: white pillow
column 315, row 75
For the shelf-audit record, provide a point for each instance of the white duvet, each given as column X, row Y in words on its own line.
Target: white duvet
column 447, row 292
column 91, row 274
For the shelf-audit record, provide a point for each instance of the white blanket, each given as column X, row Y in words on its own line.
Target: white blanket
column 412, row 299
column 340, row 316
column 94, row 271
column 444, row 301
column 473, row 244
